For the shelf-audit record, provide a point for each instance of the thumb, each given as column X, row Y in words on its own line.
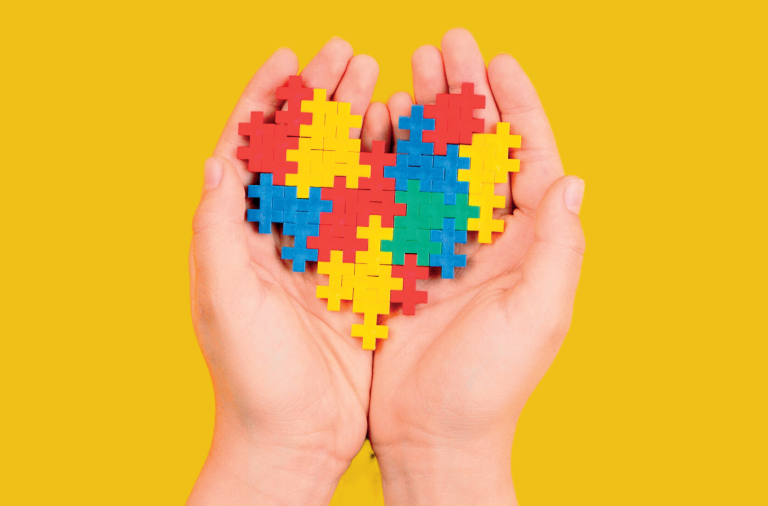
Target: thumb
column 219, row 242
column 552, row 267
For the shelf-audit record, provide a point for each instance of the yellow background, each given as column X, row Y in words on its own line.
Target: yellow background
column 109, row 109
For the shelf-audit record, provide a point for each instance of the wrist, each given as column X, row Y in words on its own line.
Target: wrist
column 246, row 467
column 443, row 474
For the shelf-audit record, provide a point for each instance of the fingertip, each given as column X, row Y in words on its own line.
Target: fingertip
column 457, row 37
column 425, row 54
column 366, row 62
column 376, row 126
column 339, row 47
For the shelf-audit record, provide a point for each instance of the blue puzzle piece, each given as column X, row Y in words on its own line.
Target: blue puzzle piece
column 427, row 173
column 299, row 253
column 289, row 204
column 451, row 163
column 399, row 173
column 447, row 260
column 316, row 205
column 267, row 194
column 415, row 124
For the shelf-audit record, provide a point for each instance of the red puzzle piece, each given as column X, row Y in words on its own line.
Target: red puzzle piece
column 377, row 183
column 294, row 93
column 255, row 153
column 409, row 296
column 446, row 123
column 274, row 160
column 364, row 208
column 349, row 244
column 466, row 102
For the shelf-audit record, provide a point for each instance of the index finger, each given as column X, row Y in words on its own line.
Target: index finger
column 519, row 105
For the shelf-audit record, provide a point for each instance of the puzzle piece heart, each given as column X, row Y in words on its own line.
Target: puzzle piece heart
column 374, row 222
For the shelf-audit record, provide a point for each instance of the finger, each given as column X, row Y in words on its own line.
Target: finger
column 220, row 253
column 376, row 126
column 356, row 87
column 259, row 95
column 326, row 69
column 520, row 106
column 399, row 105
column 428, row 74
column 464, row 64
column 552, row 267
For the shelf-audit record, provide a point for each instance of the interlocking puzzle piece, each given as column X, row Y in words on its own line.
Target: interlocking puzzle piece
column 413, row 221
column 289, row 204
column 466, row 102
column 299, row 252
column 348, row 243
column 322, row 113
column 446, row 123
column 314, row 206
column 502, row 141
column 450, row 164
column 342, row 215
column 400, row 172
column 409, row 296
column 370, row 331
column 343, row 121
column 340, row 282
column 267, row 193
column 400, row 245
column 256, row 130
column 293, row 94
column 448, row 237
column 476, row 175
column 373, row 256
column 485, row 224
column 303, row 178
column 427, row 173
column 415, row 146
column 364, row 208
column 377, row 159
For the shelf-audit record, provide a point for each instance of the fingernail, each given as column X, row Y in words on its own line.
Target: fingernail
column 213, row 173
column 574, row 194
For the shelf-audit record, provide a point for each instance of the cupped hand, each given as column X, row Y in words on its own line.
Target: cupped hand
column 291, row 387
column 451, row 381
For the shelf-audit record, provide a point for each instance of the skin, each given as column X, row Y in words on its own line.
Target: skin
column 296, row 395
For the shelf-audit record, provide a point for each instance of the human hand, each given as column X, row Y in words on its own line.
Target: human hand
column 448, row 390
column 291, row 387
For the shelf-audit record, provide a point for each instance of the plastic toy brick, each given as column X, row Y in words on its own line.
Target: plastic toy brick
column 292, row 117
column 353, row 172
column 254, row 153
column 377, row 159
column 427, row 173
column 466, row 102
column 446, row 124
column 387, row 209
column 415, row 146
column 409, row 296
column 266, row 192
column 313, row 206
column 370, row 331
column 322, row 119
column 275, row 149
column 400, row 172
column 500, row 142
column 476, row 175
column 299, row 252
column 348, row 243
column 400, row 245
column 447, row 260
column 382, row 282
column 413, row 197
column 485, row 224
column 450, row 164
column 342, row 122
column 303, row 178
column 340, row 281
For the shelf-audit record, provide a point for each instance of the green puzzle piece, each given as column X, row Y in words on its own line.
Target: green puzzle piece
column 422, row 246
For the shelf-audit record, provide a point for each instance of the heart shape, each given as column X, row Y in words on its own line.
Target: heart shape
column 376, row 221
